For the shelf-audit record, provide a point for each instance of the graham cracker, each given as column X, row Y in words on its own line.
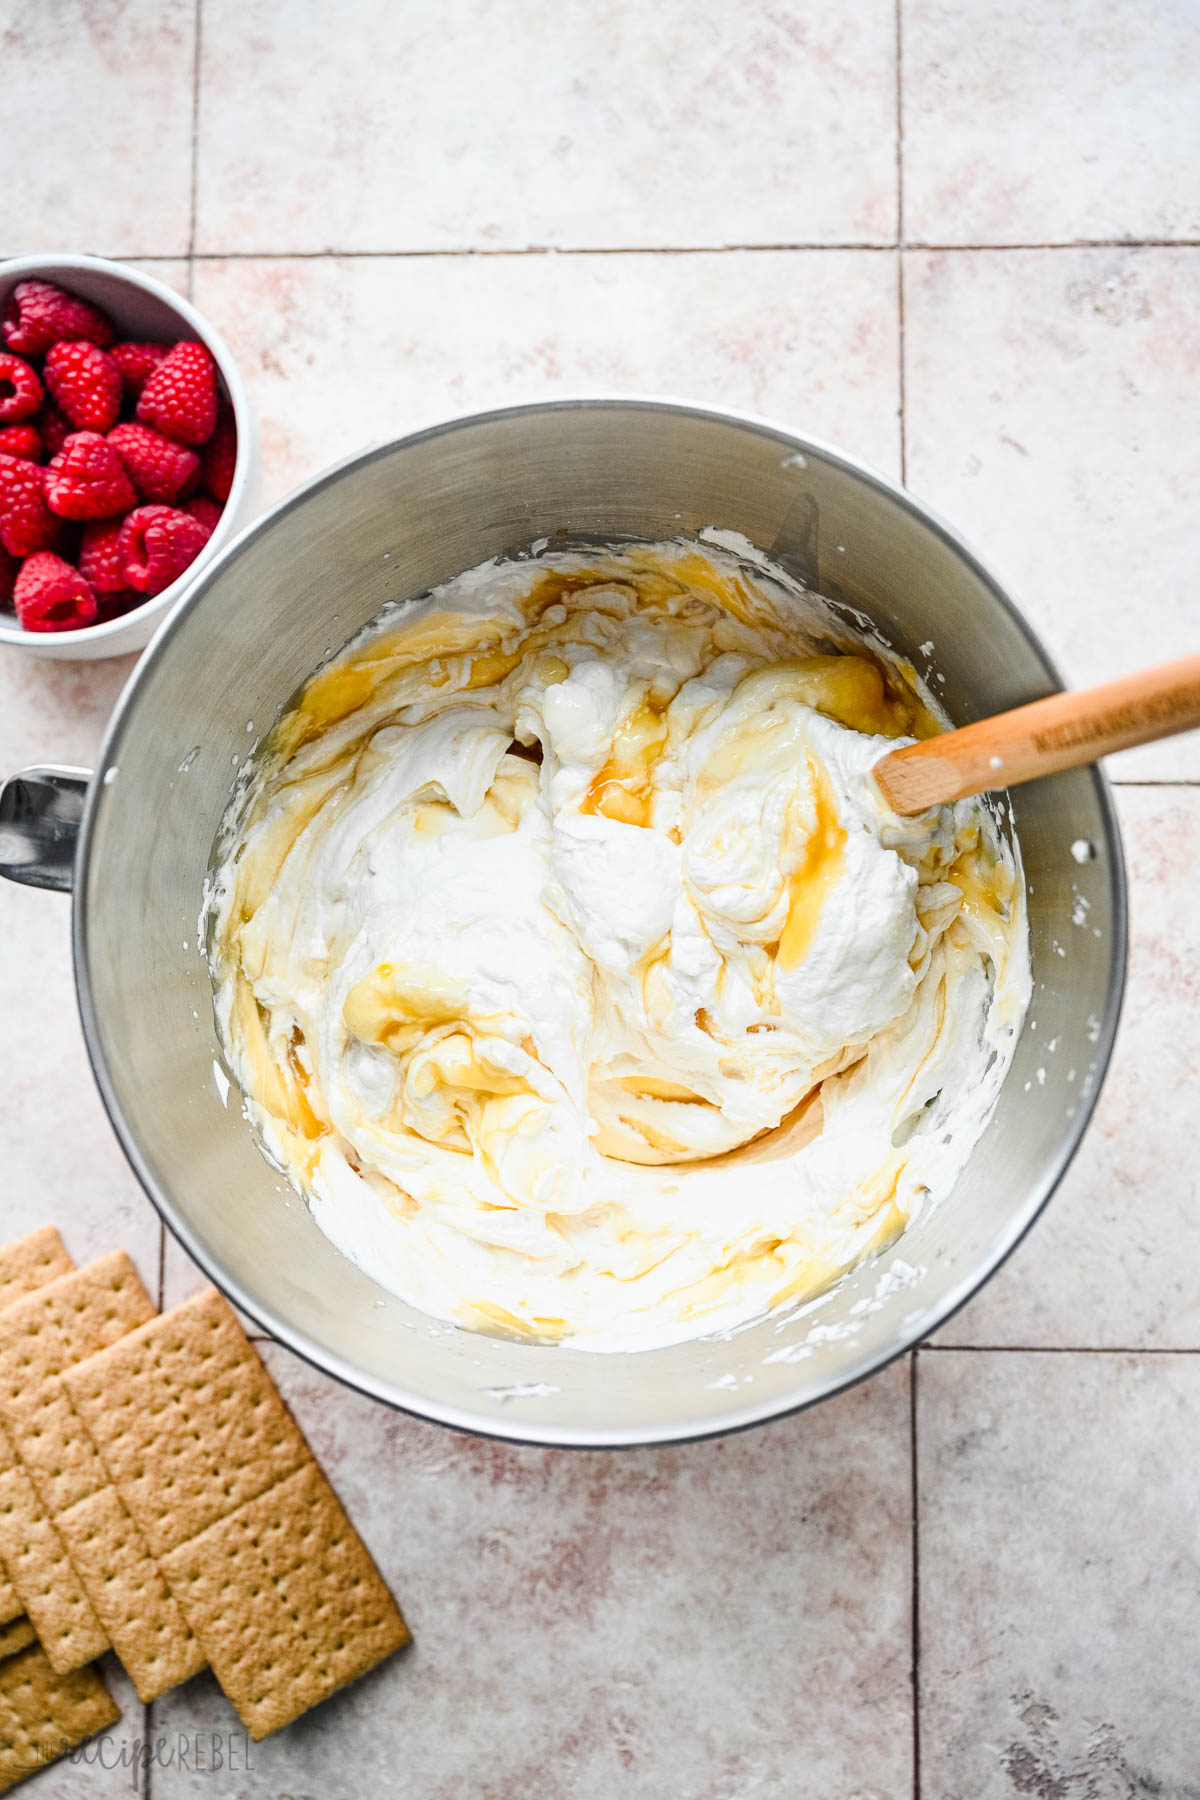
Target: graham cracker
column 43, row 1333
column 41, row 1576
column 26, row 1264
column 275, row 1582
column 137, row 1608
column 15, row 1635
column 42, row 1573
column 286, row 1600
column 30, row 1262
column 11, row 1605
column 41, row 1336
column 44, row 1714
column 188, row 1421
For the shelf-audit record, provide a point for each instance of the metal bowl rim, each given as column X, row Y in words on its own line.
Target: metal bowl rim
column 462, row 1418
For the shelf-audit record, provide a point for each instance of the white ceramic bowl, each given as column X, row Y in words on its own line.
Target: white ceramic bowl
column 139, row 307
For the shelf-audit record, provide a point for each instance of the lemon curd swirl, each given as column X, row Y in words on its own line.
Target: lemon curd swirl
column 573, row 967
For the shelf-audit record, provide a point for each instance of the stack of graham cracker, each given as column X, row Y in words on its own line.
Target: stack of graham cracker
column 157, row 1498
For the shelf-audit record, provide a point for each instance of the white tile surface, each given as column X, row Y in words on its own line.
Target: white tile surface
column 1049, row 124
column 97, row 126
column 476, row 124
column 1050, row 400
column 61, row 1162
column 1060, row 1556
column 676, row 1622
column 182, row 1278
column 1113, row 1259
column 338, row 352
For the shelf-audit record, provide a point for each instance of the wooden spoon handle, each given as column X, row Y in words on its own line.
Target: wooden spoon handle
column 1058, row 733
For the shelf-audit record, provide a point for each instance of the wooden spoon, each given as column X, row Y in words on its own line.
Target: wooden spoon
column 1059, row 733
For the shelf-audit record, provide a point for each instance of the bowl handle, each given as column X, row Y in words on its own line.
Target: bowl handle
column 40, row 813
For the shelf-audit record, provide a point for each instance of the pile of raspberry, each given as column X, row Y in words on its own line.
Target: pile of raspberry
column 116, row 461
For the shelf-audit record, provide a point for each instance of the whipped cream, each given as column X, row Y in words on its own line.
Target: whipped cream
column 574, row 968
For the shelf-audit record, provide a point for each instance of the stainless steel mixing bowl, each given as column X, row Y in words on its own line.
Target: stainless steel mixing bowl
column 384, row 526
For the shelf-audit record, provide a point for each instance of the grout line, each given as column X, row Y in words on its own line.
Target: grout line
column 899, row 131
column 916, row 1576
column 903, row 382
column 1065, row 244
column 575, row 250
column 465, row 250
column 1062, row 1349
column 197, row 44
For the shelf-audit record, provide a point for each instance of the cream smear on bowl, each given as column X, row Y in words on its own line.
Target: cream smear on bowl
column 573, row 967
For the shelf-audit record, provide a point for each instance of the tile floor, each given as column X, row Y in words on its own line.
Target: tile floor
column 963, row 241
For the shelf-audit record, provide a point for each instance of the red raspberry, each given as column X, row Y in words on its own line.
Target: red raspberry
column 158, row 469
column 86, row 383
column 26, row 522
column 100, row 557
column 20, row 390
column 8, row 575
column 39, row 314
column 180, row 398
column 157, row 544
column 114, row 606
column 87, row 479
column 206, row 512
column 52, row 596
column 220, row 454
column 137, row 362
column 54, row 428
column 21, row 440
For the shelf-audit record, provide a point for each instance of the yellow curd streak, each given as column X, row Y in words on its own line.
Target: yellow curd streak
column 818, row 870
column 282, row 1088
column 623, row 788
column 985, row 885
column 387, row 1004
column 346, row 687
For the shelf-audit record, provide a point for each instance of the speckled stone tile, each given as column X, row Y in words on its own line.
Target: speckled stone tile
column 55, row 712
column 172, row 271
column 61, row 1162
column 1051, row 398
column 339, row 352
column 1112, row 1260
column 98, row 109
column 716, row 1620
column 1059, row 1533
column 482, row 125
column 1044, row 124
column 181, row 1278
